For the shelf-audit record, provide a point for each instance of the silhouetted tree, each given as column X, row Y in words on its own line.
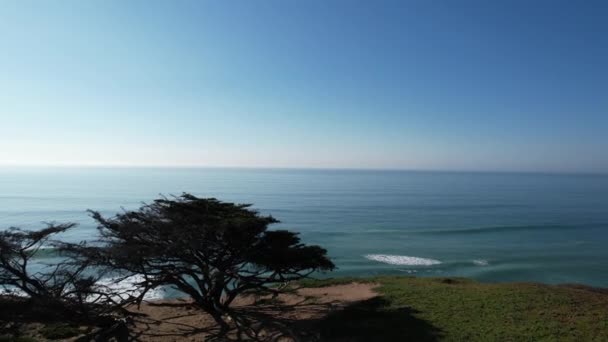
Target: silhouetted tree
column 17, row 249
column 210, row 250
column 62, row 288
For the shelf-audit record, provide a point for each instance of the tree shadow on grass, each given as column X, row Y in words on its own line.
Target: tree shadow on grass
column 375, row 320
column 22, row 318
column 369, row 320
column 17, row 314
column 52, row 319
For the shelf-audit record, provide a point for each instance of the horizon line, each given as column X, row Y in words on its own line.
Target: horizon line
column 295, row 168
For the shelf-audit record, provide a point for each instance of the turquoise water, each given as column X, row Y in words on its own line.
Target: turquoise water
column 489, row 226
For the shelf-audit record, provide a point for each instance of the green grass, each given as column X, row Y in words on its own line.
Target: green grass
column 310, row 282
column 59, row 331
column 8, row 338
column 455, row 309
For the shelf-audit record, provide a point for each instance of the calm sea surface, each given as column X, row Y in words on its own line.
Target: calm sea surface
column 489, row 226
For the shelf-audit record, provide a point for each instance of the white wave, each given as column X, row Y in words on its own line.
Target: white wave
column 480, row 262
column 11, row 292
column 124, row 288
column 402, row 260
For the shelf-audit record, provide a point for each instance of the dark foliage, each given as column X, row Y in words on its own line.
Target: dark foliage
column 62, row 280
column 210, row 250
column 63, row 291
column 18, row 248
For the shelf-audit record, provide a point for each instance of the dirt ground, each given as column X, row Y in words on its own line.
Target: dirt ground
column 289, row 317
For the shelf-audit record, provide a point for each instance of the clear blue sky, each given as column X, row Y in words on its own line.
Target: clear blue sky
column 421, row 84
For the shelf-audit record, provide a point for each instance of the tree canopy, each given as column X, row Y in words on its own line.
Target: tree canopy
column 212, row 251
column 17, row 248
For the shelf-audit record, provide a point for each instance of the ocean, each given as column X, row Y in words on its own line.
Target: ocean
column 493, row 227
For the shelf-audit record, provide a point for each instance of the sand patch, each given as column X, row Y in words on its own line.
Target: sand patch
column 288, row 314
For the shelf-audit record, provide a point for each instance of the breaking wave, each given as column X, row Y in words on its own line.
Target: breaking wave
column 402, row 260
column 124, row 287
column 480, row 262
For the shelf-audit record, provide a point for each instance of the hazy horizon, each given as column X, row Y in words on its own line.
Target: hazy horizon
column 511, row 86
column 285, row 168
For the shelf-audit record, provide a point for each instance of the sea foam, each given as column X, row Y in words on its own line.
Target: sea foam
column 402, row 260
column 480, row 262
column 125, row 288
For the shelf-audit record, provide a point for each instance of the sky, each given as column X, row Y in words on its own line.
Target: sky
column 411, row 84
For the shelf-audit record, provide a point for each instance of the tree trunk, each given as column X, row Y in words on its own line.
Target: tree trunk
column 218, row 316
column 224, row 326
